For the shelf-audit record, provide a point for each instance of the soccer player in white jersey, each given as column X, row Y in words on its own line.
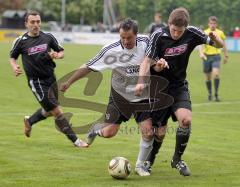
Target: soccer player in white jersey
column 124, row 58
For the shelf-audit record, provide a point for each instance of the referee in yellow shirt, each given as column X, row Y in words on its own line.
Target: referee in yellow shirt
column 212, row 59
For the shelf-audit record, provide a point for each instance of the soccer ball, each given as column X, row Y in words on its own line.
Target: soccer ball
column 119, row 168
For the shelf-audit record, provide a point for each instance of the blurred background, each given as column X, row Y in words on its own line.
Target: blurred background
column 103, row 16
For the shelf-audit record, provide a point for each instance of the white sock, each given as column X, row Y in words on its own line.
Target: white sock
column 144, row 151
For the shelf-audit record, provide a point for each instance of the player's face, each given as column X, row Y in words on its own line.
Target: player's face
column 176, row 32
column 33, row 24
column 128, row 38
column 212, row 25
column 157, row 18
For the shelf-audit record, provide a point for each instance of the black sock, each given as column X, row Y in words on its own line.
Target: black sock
column 209, row 87
column 64, row 126
column 154, row 152
column 36, row 117
column 182, row 137
column 216, row 85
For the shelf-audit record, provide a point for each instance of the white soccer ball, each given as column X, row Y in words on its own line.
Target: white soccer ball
column 119, row 168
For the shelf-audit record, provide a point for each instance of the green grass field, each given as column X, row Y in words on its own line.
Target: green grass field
column 49, row 159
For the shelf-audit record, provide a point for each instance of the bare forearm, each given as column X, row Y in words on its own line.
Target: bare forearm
column 144, row 69
column 13, row 62
column 80, row 73
column 218, row 42
column 225, row 49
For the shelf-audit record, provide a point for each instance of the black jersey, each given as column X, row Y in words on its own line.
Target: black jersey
column 154, row 27
column 175, row 52
column 34, row 50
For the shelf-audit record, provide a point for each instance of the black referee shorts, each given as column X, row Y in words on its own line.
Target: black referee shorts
column 45, row 91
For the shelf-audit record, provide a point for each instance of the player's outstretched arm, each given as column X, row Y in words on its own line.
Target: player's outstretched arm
column 15, row 67
column 80, row 73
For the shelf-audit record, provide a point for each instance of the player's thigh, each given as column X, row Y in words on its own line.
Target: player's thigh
column 112, row 119
column 40, row 89
column 182, row 106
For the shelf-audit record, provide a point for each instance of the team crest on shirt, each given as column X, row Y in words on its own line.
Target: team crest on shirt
column 175, row 51
column 37, row 49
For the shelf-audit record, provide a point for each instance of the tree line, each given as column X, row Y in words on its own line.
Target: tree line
column 91, row 11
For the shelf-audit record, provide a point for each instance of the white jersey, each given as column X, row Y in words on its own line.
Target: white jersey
column 125, row 65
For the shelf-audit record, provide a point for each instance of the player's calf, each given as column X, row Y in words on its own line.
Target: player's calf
column 27, row 127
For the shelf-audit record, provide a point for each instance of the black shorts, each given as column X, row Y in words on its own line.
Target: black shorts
column 120, row 110
column 46, row 92
column 181, row 95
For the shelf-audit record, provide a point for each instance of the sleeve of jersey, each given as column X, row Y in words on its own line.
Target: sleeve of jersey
column 15, row 51
column 199, row 36
column 101, row 61
column 55, row 44
column 152, row 47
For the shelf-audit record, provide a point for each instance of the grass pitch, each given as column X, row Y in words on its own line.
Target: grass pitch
column 49, row 159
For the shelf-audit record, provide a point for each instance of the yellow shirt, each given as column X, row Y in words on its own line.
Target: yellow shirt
column 210, row 50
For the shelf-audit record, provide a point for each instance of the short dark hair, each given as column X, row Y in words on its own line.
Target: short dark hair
column 31, row 12
column 213, row 18
column 129, row 24
column 179, row 17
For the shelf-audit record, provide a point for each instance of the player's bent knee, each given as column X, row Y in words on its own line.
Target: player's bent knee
column 159, row 138
column 56, row 112
column 186, row 122
column 159, row 133
column 110, row 131
column 147, row 133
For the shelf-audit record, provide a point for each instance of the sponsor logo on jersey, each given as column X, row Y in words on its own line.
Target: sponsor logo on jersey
column 132, row 70
column 175, row 51
column 37, row 49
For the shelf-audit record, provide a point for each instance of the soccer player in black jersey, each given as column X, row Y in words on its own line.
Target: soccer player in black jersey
column 173, row 46
column 38, row 49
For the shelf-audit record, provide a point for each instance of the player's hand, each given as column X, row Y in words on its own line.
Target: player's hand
column 225, row 60
column 213, row 36
column 17, row 70
column 161, row 64
column 203, row 56
column 64, row 86
column 139, row 89
column 53, row 55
